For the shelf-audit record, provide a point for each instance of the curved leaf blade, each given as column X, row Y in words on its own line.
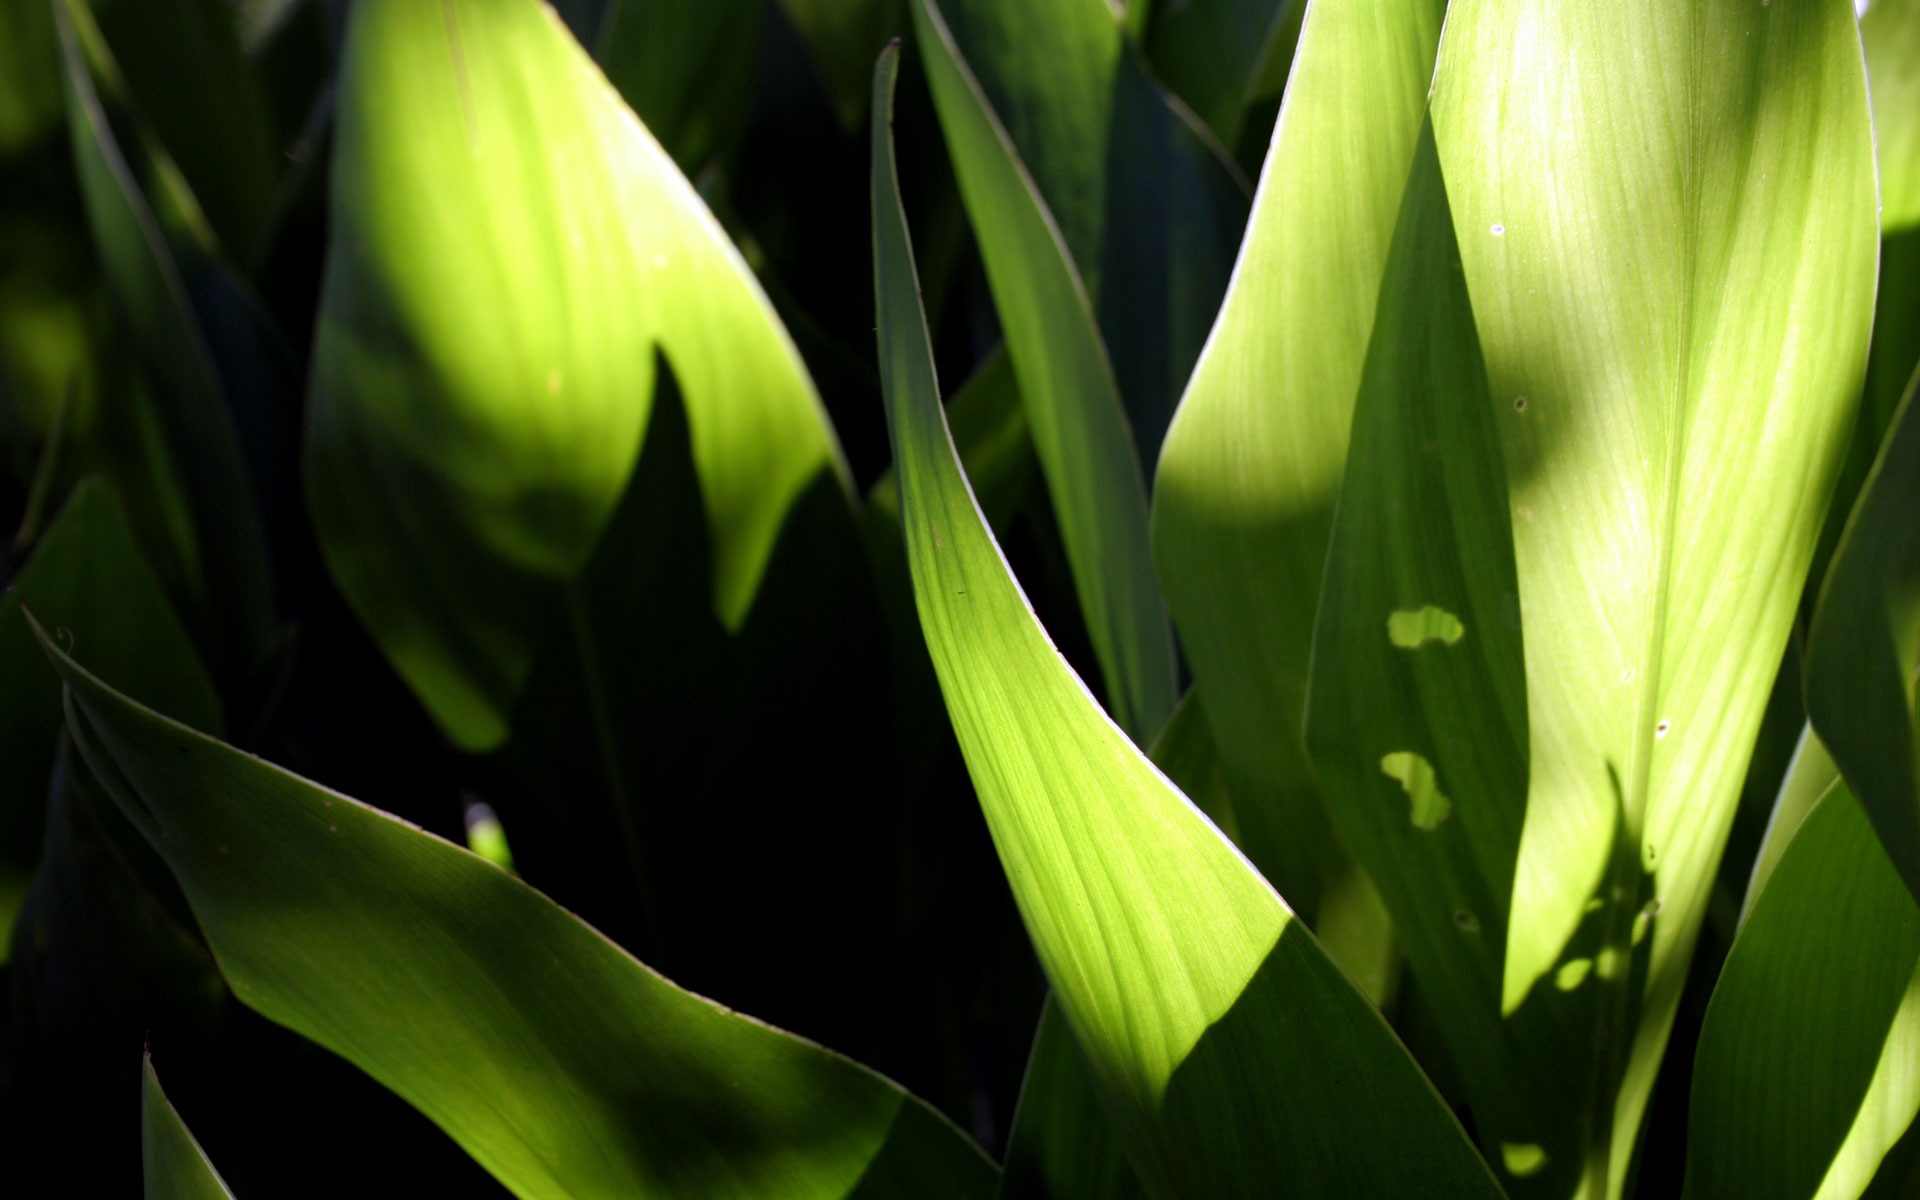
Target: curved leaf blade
column 1805, row 1074
column 564, row 1066
column 483, row 368
column 1068, row 388
column 1228, row 1049
column 1890, row 31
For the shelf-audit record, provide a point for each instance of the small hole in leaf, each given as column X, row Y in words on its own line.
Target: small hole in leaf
column 1410, row 629
column 1663, row 728
column 1572, row 974
column 1519, row 404
column 1467, row 922
column 1415, row 775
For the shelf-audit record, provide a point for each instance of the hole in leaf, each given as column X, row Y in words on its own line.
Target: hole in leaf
column 1415, row 775
column 1572, row 974
column 1522, row 1160
column 1412, row 629
column 1467, row 922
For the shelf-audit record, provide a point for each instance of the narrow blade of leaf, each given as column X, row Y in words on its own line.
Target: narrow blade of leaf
column 176, row 1168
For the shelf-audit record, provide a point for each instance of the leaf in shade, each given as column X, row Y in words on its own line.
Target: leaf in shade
column 483, row 370
column 1227, row 1048
column 686, row 70
column 1212, row 53
column 1672, row 417
column 176, row 1168
column 1804, row 1078
column 1864, row 647
column 561, row 1064
column 216, row 564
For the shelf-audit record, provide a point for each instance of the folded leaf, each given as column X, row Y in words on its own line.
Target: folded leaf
column 483, row 368
column 1228, row 1050
column 1805, row 1075
column 1666, row 222
column 565, row 1067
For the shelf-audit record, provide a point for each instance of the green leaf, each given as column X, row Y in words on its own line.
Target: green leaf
column 86, row 576
column 1227, row 1048
column 483, row 369
column 1864, row 647
column 1243, row 502
column 188, row 73
column 1417, row 722
column 561, row 1064
column 1804, row 1078
column 1670, row 255
column 1890, row 30
column 1062, row 1146
column 842, row 36
column 687, row 70
column 176, row 1168
column 216, row 565
column 1212, row 54
column 1809, row 775
column 1149, row 208
column 1067, row 385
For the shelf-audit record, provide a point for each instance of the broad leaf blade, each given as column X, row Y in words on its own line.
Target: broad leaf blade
column 1865, row 646
column 561, row 1064
column 1229, row 1051
column 176, row 1168
column 1670, row 254
column 1805, row 1075
column 483, row 369
column 1072, row 400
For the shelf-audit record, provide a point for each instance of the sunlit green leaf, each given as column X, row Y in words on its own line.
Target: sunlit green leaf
column 1670, row 253
column 1067, row 384
column 175, row 1166
column 561, row 1064
column 1227, row 1048
column 1244, row 497
column 1805, row 1076
column 483, row 368
column 1891, row 33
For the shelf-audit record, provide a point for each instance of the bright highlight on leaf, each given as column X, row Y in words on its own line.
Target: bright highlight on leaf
column 1225, row 1046
column 483, row 367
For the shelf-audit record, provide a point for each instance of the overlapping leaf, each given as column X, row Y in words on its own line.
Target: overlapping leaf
column 561, row 1064
column 1067, row 386
column 1864, row 647
column 1244, row 497
column 483, row 368
column 1805, row 1077
column 1670, row 256
column 1228, row 1049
